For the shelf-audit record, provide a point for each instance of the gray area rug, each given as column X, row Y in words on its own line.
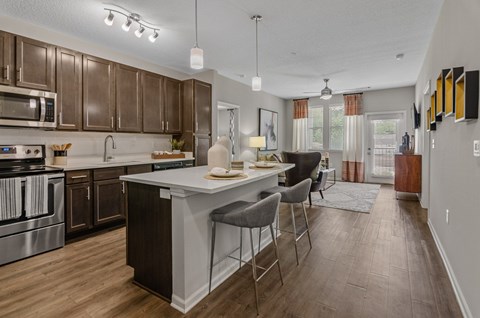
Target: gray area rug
column 357, row 197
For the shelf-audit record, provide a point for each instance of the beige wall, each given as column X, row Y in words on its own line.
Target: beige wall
column 454, row 177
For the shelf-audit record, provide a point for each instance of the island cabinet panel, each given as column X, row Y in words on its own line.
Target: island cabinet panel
column 34, row 64
column 98, row 94
column 153, row 113
column 69, row 89
column 173, row 106
column 6, row 58
column 149, row 239
column 408, row 173
column 128, row 99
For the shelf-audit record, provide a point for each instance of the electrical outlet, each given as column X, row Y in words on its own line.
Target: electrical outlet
column 476, row 148
column 447, row 216
column 433, row 143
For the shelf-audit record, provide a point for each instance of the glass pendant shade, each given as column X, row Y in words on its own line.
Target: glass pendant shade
column 109, row 19
column 256, row 83
column 196, row 58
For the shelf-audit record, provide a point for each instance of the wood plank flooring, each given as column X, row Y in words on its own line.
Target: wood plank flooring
column 382, row 264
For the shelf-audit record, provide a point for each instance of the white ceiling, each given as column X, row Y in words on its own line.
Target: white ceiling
column 352, row 42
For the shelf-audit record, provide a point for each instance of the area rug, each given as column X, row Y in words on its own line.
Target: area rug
column 357, row 197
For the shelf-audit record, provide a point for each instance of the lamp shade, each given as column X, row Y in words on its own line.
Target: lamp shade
column 257, row 142
column 256, row 83
column 196, row 58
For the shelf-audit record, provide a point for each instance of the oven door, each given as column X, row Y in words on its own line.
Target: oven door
column 55, row 210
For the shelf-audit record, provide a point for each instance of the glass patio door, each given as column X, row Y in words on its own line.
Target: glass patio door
column 384, row 136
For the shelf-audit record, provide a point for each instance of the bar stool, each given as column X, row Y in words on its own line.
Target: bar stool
column 249, row 215
column 294, row 194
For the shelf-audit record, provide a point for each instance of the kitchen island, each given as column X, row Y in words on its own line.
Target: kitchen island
column 169, row 231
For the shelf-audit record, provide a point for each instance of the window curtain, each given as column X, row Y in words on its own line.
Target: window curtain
column 300, row 124
column 353, row 166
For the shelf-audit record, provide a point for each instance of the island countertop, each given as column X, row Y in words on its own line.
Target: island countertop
column 192, row 179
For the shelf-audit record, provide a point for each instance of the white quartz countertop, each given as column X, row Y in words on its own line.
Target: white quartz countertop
column 192, row 179
column 96, row 164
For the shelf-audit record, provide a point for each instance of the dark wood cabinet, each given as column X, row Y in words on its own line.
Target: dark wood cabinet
column 173, row 106
column 78, row 201
column 34, row 64
column 197, row 123
column 78, row 210
column 109, row 201
column 139, row 169
column 408, row 173
column 153, row 100
column 6, row 58
column 98, row 94
column 128, row 98
column 69, row 89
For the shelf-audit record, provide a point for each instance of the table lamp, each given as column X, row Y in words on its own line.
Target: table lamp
column 257, row 142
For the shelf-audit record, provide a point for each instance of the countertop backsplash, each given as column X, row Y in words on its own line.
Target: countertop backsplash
column 87, row 144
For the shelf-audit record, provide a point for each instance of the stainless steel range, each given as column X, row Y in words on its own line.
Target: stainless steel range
column 31, row 203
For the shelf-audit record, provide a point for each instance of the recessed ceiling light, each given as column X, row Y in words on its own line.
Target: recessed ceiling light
column 399, row 56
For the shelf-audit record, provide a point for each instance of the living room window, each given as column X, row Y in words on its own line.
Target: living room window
column 325, row 127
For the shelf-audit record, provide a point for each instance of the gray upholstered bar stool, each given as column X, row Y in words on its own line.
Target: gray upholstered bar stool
column 294, row 194
column 248, row 215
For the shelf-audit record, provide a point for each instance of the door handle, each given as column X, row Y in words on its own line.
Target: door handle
column 60, row 119
column 7, row 69
column 88, row 193
column 123, row 187
column 111, row 122
column 119, row 121
column 167, row 125
column 163, row 125
column 19, row 74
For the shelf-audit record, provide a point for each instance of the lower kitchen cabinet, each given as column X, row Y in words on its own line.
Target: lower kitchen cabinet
column 78, row 210
column 109, row 201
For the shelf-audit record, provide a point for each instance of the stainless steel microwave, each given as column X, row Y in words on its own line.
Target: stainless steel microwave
column 21, row 107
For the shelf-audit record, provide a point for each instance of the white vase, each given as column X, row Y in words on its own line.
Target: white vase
column 176, row 151
column 227, row 143
column 218, row 156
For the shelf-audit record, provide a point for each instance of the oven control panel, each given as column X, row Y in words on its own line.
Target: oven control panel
column 22, row 152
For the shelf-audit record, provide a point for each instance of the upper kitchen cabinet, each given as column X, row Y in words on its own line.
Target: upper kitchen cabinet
column 34, row 64
column 69, row 89
column 128, row 99
column 6, row 58
column 98, row 94
column 197, row 113
column 173, row 106
column 153, row 112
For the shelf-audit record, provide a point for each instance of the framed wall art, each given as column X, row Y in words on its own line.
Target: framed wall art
column 268, row 127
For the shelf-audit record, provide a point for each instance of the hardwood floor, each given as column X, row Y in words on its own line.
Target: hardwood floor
column 383, row 264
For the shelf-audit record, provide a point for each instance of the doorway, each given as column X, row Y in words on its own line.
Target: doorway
column 228, row 125
column 383, row 138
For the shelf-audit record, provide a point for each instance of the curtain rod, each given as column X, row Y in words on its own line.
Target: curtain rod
column 361, row 93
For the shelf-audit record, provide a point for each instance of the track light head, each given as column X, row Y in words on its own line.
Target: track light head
column 139, row 32
column 127, row 24
column 109, row 18
column 153, row 37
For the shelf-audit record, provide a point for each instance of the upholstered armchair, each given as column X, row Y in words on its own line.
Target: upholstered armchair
column 306, row 166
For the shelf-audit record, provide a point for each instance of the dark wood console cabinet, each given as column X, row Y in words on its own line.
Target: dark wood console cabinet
column 408, row 173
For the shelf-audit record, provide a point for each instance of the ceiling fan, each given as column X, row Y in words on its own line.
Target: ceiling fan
column 327, row 92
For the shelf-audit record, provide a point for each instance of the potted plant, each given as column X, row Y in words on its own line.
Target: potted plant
column 177, row 145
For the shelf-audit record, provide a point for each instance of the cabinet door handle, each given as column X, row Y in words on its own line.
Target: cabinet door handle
column 196, row 126
column 167, row 125
column 88, row 193
column 163, row 125
column 79, row 177
column 111, row 121
column 123, row 187
column 60, row 119
column 19, row 74
column 7, row 69
column 119, row 121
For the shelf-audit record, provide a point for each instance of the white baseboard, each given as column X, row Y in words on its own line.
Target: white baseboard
column 185, row 305
column 453, row 280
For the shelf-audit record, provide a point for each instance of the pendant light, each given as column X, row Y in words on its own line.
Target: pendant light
column 326, row 92
column 196, row 53
column 256, row 80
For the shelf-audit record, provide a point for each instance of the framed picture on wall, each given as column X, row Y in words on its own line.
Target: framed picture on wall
column 268, row 127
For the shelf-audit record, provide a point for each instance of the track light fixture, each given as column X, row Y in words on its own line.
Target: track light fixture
column 131, row 19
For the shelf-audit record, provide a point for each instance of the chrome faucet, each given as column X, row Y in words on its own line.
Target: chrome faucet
column 105, row 157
